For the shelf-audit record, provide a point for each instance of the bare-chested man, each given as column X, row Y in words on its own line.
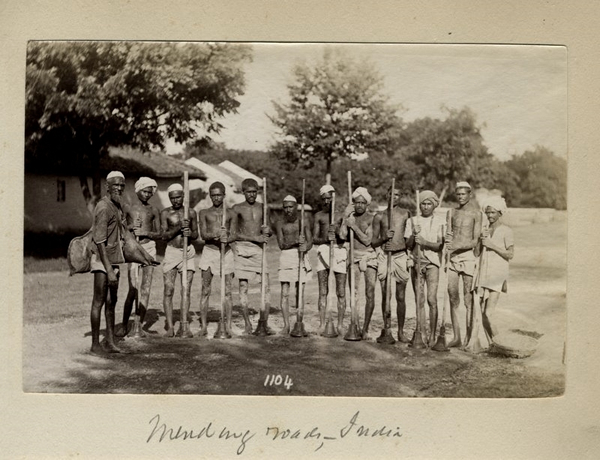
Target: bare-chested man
column 249, row 234
column 427, row 231
column 214, row 233
column 390, row 239
column 323, row 234
column 360, row 221
column 292, row 244
column 107, row 254
column 461, row 238
column 143, row 220
column 174, row 227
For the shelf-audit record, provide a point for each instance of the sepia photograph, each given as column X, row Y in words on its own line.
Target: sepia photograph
column 184, row 203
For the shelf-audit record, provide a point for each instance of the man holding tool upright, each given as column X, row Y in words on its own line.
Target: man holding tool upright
column 360, row 221
column 251, row 232
column 325, row 229
column 461, row 238
column 428, row 234
column 293, row 245
column 390, row 239
column 143, row 220
column 176, row 229
column 215, row 234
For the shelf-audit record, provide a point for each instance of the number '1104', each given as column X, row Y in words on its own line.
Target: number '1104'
column 277, row 380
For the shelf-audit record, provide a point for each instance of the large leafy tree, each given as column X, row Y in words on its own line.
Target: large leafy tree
column 337, row 109
column 541, row 177
column 84, row 97
column 448, row 150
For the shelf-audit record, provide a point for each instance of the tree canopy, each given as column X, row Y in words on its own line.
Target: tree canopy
column 84, row 97
column 337, row 109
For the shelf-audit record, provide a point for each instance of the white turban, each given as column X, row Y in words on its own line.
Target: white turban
column 361, row 191
column 145, row 182
column 290, row 198
column 495, row 202
column 113, row 174
column 326, row 189
column 462, row 184
column 175, row 188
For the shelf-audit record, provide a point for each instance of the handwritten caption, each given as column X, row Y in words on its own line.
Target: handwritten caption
column 241, row 439
column 277, row 380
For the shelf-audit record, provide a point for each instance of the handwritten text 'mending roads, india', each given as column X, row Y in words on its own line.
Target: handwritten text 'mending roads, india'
column 240, row 438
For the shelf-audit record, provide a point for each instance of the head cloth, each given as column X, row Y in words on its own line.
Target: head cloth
column 495, row 202
column 361, row 191
column 462, row 184
column 290, row 198
column 429, row 195
column 145, row 182
column 326, row 189
column 114, row 174
column 175, row 188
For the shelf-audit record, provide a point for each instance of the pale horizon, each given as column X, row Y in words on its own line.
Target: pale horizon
column 518, row 92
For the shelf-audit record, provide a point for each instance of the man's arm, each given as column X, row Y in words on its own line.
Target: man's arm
column 317, row 231
column 168, row 235
column 203, row 225
column 379, row 229
column 364, row 237
column 308, row 235
column 279, row 235
column 233, row 224
column 193, row 225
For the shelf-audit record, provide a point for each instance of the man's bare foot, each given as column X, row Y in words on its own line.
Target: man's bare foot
column 111, row 348
column 402, row 338
column 121, row 330
column 456, row 343
column 340, row 328
column 170, row 332
column 269, row 330
column 248, row 329
column 203, row 332
column 285, row 330
column 432, row 340
column 365, row 335
column 97, row 349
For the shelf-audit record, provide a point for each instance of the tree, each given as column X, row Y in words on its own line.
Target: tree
column 542, row 178
column 84, row 97
column 448, row 150
column 336, row 110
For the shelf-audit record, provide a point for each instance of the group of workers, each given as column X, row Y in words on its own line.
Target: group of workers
column 419, row 247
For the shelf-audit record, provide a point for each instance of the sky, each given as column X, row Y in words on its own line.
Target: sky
column 518, row 93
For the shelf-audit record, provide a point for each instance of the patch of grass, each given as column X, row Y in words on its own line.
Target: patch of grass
column 36, row 265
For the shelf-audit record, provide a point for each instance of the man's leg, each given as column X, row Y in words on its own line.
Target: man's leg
column 144, row 295
column 207, row 277
column 468, row 298
column 454, row 297
column 169, row 281
column 370, row 280
column 323, row 279
column 132, row 293
column 432, row 275
column 228, row 300
column 284, row 304
column 267, row 303
column 489, row 309
column 340, row 291
column 184, row 319
column 244, row 302
column 100, row 292
column 109, row 316
column 401, row 310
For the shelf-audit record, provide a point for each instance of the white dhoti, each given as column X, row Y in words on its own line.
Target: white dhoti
column 211, row 260
column 340, row 258
column 288, row 266
column 174, row 259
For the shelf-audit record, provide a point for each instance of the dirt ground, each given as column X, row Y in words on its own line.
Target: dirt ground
column 56, row 341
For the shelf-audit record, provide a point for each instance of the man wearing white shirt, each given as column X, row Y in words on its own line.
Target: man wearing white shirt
column 427, row 231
